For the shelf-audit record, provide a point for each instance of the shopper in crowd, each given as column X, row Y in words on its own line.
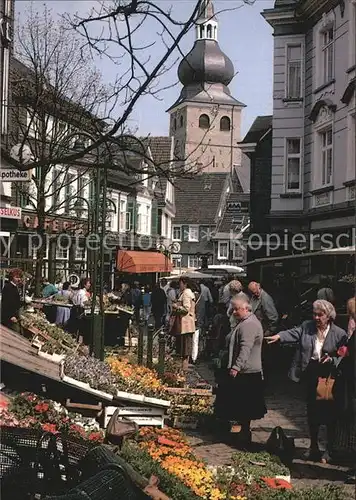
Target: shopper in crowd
column 351, row 311
column 159, row 305
column 326, row 292
column 172, row 296
column 136, row 301
column 11, row 301
column 346, row 427
column 184, row 309
column 164, row 285
column 125, row 294
column 146, row 303
column 48, row 289
column 316, row 358
column 76, row 323
column 63, row 313
column 235, row 291
column 204, row 307
column 240, row 390
column 263, row 307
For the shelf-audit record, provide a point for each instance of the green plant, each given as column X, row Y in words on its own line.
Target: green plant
column 329, row 492
column 259, row 465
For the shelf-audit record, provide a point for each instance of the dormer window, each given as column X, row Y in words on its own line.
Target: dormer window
column 204, row 121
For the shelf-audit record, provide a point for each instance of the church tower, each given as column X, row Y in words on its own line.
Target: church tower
column 205, row 121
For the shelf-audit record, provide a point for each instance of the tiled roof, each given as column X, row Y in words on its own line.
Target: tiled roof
column 197, row 198
column 259, row 127
column 161, row 149
column 231, row 214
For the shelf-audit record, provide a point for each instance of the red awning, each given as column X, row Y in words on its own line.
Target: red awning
column 142, row 262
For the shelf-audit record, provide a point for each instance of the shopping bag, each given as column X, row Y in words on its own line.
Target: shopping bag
column 281, row 445
column 324, row 389
column 195, row 346
column 118, row 428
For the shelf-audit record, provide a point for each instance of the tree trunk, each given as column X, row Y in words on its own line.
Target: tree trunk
column 41, row 216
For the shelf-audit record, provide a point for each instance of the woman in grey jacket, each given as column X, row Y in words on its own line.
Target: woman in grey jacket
column 316, row 356
column 240, row 392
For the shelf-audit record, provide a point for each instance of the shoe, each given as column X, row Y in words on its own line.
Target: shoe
column 242, row 439
column 325, row 457
column 312, row 455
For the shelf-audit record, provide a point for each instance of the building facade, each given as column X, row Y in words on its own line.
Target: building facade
column 8, row 217
column 257, row 146
column 314, row 109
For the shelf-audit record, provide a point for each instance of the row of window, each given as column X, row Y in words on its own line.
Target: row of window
column 225, row 123
column 323, row 158
column 325, row 57
column 193, row 233
column 204, row 122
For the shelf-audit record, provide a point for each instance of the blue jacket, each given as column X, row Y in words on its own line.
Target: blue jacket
column 304, row 336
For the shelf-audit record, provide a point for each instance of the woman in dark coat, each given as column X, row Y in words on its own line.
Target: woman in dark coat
column 346, row 427
column 317, row 356
column 11, row 301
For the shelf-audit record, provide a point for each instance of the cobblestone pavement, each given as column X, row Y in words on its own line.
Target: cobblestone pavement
column 286, row 409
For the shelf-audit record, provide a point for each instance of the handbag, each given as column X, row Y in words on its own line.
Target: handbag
column 175, row 325
column 118, row 428
column 324, row 389
column 281, row 445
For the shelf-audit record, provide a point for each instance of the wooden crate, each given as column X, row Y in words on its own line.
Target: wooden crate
column 186, row 391
column 182, row 422
column 142, row 415
column 87, row 410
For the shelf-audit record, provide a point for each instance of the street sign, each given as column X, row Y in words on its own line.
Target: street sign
column 14, row 175
column 10, row 212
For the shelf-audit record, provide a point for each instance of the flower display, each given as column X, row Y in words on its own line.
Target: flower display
column 29, row 410
column 59, row 342
column 170, row 449
column 136, row 379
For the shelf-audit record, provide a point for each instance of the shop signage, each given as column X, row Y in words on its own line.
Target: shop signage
column 10, row 212
column 55, row 225
column 14, row 175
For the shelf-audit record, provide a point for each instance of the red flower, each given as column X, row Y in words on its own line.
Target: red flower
column 276, row 484
column 42, row 407
column 95, row 436
column 50, row 428
column 342, row 351
column 30, row 397
column 77, row 428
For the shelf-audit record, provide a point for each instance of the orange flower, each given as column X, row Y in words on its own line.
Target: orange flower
column 50, row 428
column 276, row 484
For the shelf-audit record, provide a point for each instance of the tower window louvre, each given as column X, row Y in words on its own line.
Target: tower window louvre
column 204, row 121
column 225, row 123
column 181, row 121
column 209, row 31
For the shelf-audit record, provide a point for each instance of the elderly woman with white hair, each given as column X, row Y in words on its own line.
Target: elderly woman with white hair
column 239, row 396
column 315, row 362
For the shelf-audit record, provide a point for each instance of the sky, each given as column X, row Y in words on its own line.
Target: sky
column 243, row 35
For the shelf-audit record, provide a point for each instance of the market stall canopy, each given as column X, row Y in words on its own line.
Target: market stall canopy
column 129, row 261
column 329, row 251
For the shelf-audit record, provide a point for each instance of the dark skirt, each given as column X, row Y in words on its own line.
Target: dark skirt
column 319, row 412
column 184, row 344
column 239, row 399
